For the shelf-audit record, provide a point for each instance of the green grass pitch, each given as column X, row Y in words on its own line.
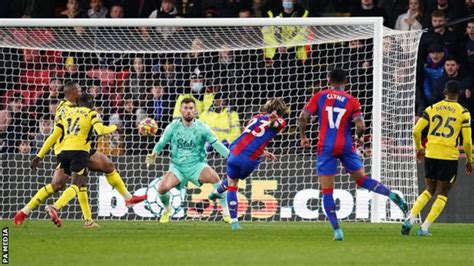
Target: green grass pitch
column 213, row 243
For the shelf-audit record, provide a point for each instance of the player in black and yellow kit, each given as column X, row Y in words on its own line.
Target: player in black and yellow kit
column 75, row 127
column 97, row 162
column 446, row 120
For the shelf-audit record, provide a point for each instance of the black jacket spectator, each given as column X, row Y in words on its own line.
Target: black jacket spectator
column 370, row 10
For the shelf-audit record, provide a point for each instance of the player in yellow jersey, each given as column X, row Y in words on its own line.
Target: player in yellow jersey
column 75, row 126
column 97, row 162
column 445, row 120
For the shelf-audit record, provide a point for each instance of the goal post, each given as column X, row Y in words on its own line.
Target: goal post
column 130, row 63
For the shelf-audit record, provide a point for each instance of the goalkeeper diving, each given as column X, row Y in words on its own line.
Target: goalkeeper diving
column 187, row 137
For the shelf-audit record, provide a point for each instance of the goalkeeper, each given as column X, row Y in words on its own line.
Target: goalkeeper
column 187, row 137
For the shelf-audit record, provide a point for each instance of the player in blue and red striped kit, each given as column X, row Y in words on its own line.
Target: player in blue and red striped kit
column 336, row 111
column 247, row 150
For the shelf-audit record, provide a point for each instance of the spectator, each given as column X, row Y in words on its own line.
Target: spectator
column 198, row 91
column 452, row 71
column 71, row 71
column 167, row 10
column 21, row 125
column 222, row 120
column 158, row 102
column 24, row 147
column 45, row 129
column 129, row 121
column 449, row 9
column 469, row 8
column 432, row 70
column 190, row 8
column 72, row 10
column 42, row 103
column 411, row 20
column 439, row 35
column 245, row 13
column 135, row 85
column 468, row 52
column 290, row 35
column 52, row 106
column 367, row 8
column 97, row 10
column 116, row 11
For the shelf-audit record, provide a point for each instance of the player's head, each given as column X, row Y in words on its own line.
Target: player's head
column 275, row 104
column 188, row 109
column 72, row 91
column 337, row 78
column 86, row 100
column 452, row 89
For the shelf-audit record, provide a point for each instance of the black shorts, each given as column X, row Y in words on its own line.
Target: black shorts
column 74, row 161
column 442, row 170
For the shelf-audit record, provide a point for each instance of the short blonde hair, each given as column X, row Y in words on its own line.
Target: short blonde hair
column 276, row 104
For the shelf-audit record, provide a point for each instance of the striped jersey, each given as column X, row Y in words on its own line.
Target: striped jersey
column 336, row 110
column 256, row 136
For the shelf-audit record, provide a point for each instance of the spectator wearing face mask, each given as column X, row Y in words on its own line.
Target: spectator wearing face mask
column 202, row 95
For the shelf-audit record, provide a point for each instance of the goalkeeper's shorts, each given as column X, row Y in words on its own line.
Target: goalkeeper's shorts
column 187, row 172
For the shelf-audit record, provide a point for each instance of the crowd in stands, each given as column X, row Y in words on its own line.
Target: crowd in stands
column 228, row 85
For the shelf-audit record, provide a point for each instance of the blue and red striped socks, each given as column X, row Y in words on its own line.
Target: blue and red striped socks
column 223, row 186
column 373, row 185
column 330, row 207
column 232, row 202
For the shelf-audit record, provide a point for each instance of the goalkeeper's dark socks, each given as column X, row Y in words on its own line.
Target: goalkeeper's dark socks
column 223, row 186
column 330, row 207
column 373, row 185
column 232, row 202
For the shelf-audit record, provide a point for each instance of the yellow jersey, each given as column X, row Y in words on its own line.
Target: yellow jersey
column 63, row 106
column 77, row 125
column 446, row 120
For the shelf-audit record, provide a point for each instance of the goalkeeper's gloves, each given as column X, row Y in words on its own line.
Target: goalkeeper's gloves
column 150, row 159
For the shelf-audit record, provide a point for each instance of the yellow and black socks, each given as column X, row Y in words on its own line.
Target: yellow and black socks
column 67, row 195
column 436, row 210
column 116, row 182
column 40, row 196
column 420, row 203
column 84, row 203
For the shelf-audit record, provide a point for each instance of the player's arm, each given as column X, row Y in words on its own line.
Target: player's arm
column 99, row 127
column 467, row 141
column 310, row 109
column 420, row 125
column 160, row 145
column 215, row 143
column 53, row 138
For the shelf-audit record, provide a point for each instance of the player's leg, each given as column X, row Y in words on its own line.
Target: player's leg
column 447, row 171
column 443, row 188
column 101, row 163
column 326, row 166
column 83, row 198
column 209, row 175
column 420, row 203
column 169, row 181
column 233, row 202
column 353, row 165
column 74, row 162
column 59, row 181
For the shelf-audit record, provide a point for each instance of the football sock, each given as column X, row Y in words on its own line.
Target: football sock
column 222, row 187
column 165, row 199
column 223, row 201
column 42, row 194
column 420, row 203
column 232, row 202
column 116, row 182
column 330, row 207
column 67, row 195
column 84, row 203
column 436, row 210
column 373, row 185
